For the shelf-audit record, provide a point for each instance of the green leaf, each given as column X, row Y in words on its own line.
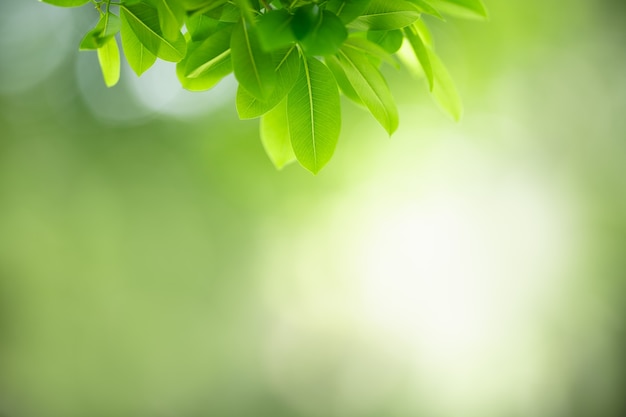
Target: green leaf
column 371, row 87
column 109, row 59
column 314, row 114
column 444, row 91
column 370, row 49
column 424, row 33
column 66, row 3
column 171, row 17
column 305, row 19
column 326, row 37
column 275, row 136
column 347, row 10
column 387, row 15
column 421, row 52
column 210, row 77
column 138, row 56
column 194, row 7
column 143, row 20
column 108, row 25
column 342, row 79
column 274, row 30
column 254, row 68
column 462, row 8
column 287, row 64
column 425, row 7
column 200, row 27
column 211, row 52
column 389, row 40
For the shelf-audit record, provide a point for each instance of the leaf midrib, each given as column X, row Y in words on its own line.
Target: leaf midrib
column 160, row 37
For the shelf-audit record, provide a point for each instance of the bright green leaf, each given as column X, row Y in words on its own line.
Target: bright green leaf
column 421, row 52
column 287, row 64
column 143, row 20
column 389, row 40
column 66, row 3
column 461, row 8
column 444, row 91
column 254, row 67
column 314, row 114
column 342, row 79
column 371, row 87
column 211, row 52
column 138, row 56
column 108, row 25
column 109, row 59
column 275, row 136
column 387, row 15
column 347, row 10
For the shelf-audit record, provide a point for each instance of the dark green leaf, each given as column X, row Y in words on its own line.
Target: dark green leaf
column 327, row 36
column 274, row 30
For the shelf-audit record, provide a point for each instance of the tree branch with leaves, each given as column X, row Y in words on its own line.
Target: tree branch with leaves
column 292, row 58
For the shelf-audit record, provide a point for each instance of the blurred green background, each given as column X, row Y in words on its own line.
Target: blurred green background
column 154, row 263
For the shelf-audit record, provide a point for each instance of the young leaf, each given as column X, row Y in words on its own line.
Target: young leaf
column 314, row 114
column 66, row 3
column 254, row 68
column 275, row 136
column 326, row 37
column 287, row 64
column 109, row 59
column 138, row 56
column 371, row 87
column 421, row 52
column 387, row 15
column 143, row 20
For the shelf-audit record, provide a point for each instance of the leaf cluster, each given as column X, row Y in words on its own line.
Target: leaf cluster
column 293, row 59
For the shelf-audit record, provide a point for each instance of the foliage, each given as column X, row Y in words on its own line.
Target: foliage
column 291, row 58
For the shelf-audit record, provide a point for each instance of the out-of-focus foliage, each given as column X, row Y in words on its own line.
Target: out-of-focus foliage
column 154, row 263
